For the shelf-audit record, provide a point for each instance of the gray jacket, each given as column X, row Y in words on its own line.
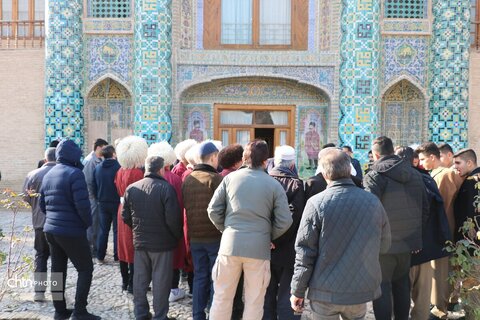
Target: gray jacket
column 251, row 209
column 33, row 182
column 342, row 232
column 90, row 163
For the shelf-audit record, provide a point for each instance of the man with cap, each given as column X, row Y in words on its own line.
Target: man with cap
column 465, row 163
column 277, row 303
column 197, row 190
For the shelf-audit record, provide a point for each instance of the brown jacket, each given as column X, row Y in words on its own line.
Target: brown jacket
column 448, row 183
column 197, row 190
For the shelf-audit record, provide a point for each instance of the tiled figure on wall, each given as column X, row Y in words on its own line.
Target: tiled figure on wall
column 196, row 127
column 312, row 134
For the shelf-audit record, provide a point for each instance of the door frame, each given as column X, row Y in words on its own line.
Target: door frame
column 290, row 127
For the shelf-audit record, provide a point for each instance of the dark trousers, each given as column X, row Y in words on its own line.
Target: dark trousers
column 175, row 278
column 204, row 256
column 395, row 287
column 92, row 231
column 77, row 249
column 155, row 267
column 126, row 270
column 277, row 298
column 107, row 215
column 42, row 252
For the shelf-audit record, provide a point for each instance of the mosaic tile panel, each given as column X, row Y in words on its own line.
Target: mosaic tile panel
column 405, row 56
column 199, row 25
column 403, row 111
column 449, row 72
column 188, row 75
column 153, row 69
column 359, row 85
column 109, row 55
column 325, row 25
column 311, row 25
column 186, row 24
column 63, row 76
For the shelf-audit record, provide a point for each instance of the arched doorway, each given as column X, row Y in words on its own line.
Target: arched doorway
column 109, row 111
column 403, row 114
column 280, row 111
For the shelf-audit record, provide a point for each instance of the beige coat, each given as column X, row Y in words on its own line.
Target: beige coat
column 251, row 209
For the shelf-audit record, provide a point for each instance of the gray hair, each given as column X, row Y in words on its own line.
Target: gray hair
column 335, row 164
column 284, row 163
column 153, row 164
column 50, row 154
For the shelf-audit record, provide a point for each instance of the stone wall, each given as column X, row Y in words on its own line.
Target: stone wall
column 22, row 114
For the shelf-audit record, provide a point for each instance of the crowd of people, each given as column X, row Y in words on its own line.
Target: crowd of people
column 253, row 239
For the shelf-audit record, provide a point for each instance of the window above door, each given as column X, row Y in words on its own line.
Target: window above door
column 256, row 24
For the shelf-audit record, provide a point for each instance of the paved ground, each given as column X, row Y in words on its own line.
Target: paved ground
column 106, row 297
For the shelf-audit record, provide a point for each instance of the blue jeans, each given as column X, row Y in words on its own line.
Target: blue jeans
column 204, row 256
column 107, row 215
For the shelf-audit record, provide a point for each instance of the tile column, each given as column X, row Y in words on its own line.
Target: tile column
column 153, row 69
column 449, row 72
column 359, row 75
column 64, row 71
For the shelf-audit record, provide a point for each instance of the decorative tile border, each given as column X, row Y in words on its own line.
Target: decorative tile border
column 406, row 26
column 256, row 58
column 107, row 26
column 188, row 75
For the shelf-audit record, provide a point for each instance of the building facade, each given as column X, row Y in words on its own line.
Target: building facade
column 298, row 72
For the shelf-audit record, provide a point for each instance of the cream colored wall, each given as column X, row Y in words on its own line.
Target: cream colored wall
column 474, row 105
column 22, row 75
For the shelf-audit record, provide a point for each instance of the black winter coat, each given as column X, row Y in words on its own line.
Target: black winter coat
column 401, row 190
column 463, row 206
column 284, row 252
column 436, row 231
column 151, row 209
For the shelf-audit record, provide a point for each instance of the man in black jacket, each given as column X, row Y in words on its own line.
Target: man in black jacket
column 277, row 298
column 151, row 208
column 465, row 163
column 401, row 190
